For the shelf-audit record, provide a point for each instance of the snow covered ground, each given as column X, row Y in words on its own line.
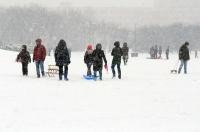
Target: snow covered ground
column 147, row 99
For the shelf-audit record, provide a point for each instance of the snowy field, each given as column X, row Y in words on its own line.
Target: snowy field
column 147, row 99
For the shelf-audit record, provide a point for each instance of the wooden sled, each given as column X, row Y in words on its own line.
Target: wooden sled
column 52, row 70
column 174, row 71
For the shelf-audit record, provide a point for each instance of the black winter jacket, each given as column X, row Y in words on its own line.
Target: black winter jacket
column 62, row 55
column 24, row 57
column 117, row 55
column 98, row 57
column 184, row 53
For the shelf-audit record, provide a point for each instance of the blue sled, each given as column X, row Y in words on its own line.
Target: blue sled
column 89, row 77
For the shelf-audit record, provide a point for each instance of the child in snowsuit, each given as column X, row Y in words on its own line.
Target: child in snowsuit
column 125, row 51
column 117, row 54
column 24, row 58
column 62, row 59
column 98, row 57
column 88, row 59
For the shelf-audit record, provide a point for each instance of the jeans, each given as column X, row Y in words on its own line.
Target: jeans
column 118, row 68
column 61, row 72
column 183, row 63
column 39, row 66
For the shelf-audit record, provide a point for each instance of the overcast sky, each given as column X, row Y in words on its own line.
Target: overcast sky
column 142, row 12
column 101, row 3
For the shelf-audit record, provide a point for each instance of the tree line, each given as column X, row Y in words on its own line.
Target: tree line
column 22, row 25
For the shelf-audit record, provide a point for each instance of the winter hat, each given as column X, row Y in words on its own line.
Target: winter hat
column 62, row 43
column 24, row 47
column 117, row 44
column 125, row 44
column 186, row 43
column 98, row 46
column 38, row 40
column 89, row 46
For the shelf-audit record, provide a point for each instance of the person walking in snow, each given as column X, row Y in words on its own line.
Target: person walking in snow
column 125, row 51
column 167, row 53
column 117, row 54
column 24, row 58
column 98, row 58
column 88, row 59
column 62, row 59
column 39, row 56
column 160, row 52
column 151, row 52
column 196, row 54
column 184, row 56
column 156, row 52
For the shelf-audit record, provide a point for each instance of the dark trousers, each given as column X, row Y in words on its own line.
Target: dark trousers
column 98, row 68
column 100, row 74
column 118, row 68
column 24, row 69
column 61, row 72
column 167, row 56
column 89, row 72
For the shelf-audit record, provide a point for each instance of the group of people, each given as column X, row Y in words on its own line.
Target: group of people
column 97, row 56
column 93, row 57
column 156, row 52
column 39, row 56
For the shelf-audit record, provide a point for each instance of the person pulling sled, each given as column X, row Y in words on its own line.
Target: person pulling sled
column 98, row 58
column 184, row 57
column 88, row 59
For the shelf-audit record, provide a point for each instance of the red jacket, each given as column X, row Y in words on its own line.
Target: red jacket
column 39, row 53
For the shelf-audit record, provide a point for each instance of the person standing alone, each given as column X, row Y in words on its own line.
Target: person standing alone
column 39, row 56
column 184, row 56
column 117, row 55
column 62, row 59
column 125, row 51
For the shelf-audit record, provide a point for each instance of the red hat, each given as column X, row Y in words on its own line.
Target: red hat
column 89, row 46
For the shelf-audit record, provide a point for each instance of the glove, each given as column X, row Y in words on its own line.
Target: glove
column 33, row 60
column 106, row 66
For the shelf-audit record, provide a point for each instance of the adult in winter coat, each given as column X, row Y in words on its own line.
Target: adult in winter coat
column 117, row 54
column 156, row 52
column 88, row 59
column 160, row 52
column 62, row 59
column 196, row 54
column 125, row 51
column 39, row 56
column 167, row 53
column 184, row 56
column 24, row 58
column 98, row 58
